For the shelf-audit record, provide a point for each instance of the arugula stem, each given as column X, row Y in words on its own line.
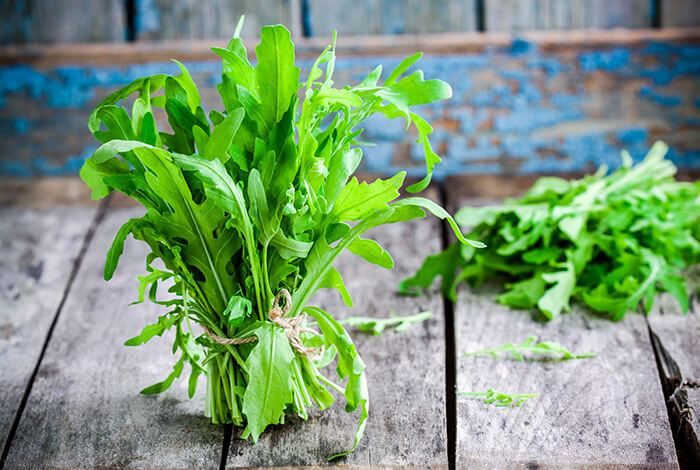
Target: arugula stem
column 302, row 383
column 266, row 279
column 335, row 386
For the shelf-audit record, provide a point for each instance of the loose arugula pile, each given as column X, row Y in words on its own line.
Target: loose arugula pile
column 609, row 241
column 251, row 200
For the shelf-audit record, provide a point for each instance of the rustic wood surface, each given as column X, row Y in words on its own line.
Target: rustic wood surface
column 67, row 21
column 602, row 412
column 683, row 13
column 677, row 339
column 84, row 410
column 51, row 55
column 371, row 17
column 523, row 15
column 168, row 19
column 45, row 21
column 37, row 254
column 405, row 372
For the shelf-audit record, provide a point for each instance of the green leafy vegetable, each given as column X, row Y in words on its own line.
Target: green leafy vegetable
column 499, row 398
column 377, row 326
column 609, row 241
column 533, row 346
column 250, row 201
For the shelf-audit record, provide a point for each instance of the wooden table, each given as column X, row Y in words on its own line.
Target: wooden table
column 69, row 388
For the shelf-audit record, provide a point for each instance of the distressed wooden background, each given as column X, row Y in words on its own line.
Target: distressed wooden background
column 79, row 21
column 564, row 99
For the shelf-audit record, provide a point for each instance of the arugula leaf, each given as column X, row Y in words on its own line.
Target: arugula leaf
column 358, row 200
column 499, row 398
column 350, row 366
column 377, row 326
column 372, row 252
column 556, row 298
column 277, row 78
column 268, row 391
column 609, row 241
column 533, row 346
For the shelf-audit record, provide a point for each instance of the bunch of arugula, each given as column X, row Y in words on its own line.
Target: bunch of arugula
column 609, row 241
column 247, row 201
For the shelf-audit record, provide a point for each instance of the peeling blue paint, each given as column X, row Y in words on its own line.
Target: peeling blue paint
column 469, row 119
column 21, row 125
column 459, row 148
column 666, row 100
column 379, row 156
column 520, row 47
column 604, row 60
column 520, row 146
column 525, row 120
column 72, row 86
column 381, row 128
column 501, row 98
column 591, row 148
column 632, row 135
column 561, row 100
column 551, row 66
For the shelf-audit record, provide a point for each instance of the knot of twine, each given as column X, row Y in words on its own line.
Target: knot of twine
column 291, row 326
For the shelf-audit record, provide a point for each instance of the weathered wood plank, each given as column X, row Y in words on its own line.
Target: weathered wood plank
column 67, row 21
column 85, row 410
column 601, row 412
column 165, row 19
column 390, row 17
column 523, row 15
column 52, row 55
column 405, row 371
column 37, row 253
column 42, row 193
column 591, row 413
column 677, row 343
column 522, row 107
column 683, row 13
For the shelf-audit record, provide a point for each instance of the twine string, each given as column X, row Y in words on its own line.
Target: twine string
column 291, row 326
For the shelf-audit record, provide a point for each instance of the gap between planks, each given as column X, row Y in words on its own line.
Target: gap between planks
column 97, row 219
column 450, row 349
column 676, row 347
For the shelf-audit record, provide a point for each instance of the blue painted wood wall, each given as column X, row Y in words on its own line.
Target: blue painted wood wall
column 516, row 109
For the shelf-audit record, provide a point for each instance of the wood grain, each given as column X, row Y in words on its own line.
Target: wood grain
column 524, row 15
column 407, row 425
column 166, row 19
column 85, row 410
column 677, row 341
column 40, row 193
column 372, row 17
column 38, row 251
column 45, row 55
column 67, row 21
column 680, row 13
column 603, row 412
